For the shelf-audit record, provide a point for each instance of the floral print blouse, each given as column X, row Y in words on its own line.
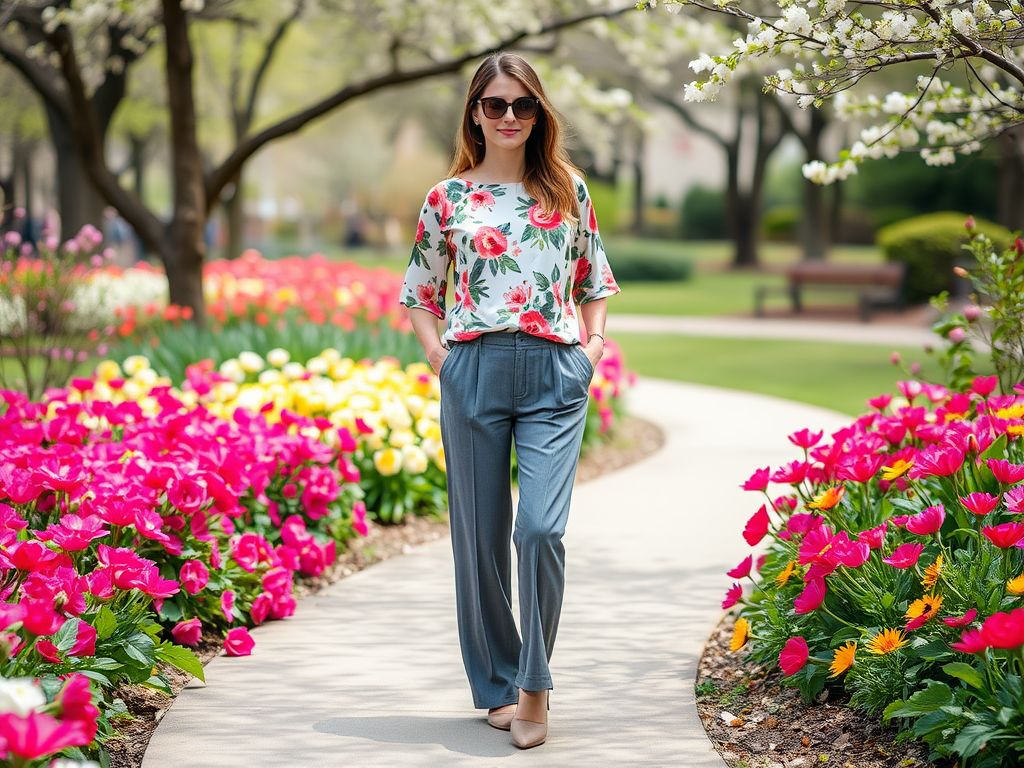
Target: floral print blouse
column 515, row 265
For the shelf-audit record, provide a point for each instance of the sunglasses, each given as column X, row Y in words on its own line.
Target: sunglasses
column 523, row 108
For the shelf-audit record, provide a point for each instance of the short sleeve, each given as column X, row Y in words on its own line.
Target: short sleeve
column 592, row 275
column 426, row 278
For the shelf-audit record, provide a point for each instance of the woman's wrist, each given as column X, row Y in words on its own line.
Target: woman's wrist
column 592, row 336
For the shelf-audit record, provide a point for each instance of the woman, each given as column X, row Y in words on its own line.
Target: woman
column 515, row 221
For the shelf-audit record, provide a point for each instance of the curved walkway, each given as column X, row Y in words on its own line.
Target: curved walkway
column 368, row 672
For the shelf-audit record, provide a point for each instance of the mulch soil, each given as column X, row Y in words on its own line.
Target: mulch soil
column 755, row 722
column 633, row 440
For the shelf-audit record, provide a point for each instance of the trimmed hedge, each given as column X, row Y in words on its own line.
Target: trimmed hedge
column 931, row 246
column 635, row 261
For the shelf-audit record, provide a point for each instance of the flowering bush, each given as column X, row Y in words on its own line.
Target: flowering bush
column 121, row 518
column 895, row 563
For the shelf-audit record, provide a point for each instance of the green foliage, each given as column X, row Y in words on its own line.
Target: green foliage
column 781, row 222
column 181, row 346
column 637, row 261
column 931, row 246
column 605, row 199
column 703, row 214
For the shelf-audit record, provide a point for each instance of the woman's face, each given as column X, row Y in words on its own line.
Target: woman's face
column 507, row 132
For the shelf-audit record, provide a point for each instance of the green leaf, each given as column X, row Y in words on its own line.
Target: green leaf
column 102, row 662
column 931, row 698
column 888, row 600
column 65, row 637
column 180, row 657
column 140, row 647
column 99, row 677
column 965, row 672
column 972, row 738
column 105, row 622
column 890, row 711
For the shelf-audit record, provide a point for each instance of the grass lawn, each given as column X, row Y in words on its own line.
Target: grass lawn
column 837, row 376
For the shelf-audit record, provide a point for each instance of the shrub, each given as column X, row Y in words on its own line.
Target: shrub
column 605, row 199
column 782, row 223
column 637, row 261
column 931, row 246
column 703, row 214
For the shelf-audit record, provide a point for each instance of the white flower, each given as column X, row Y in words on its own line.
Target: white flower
column 795, row 20
column 233, row 370
column 250, row 362
column 293, row 371
column 278, row 357
column 135, row 363
column 318, row 366
column 20, row 696
column 705, row 62
column 414, row 460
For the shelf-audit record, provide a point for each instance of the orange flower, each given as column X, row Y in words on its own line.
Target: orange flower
column 931, row 573
column 898, row 469
column 1015, row 429
column 1016, row 586
column 842, row 659
column 739, row 634
column 924, row 608
column 886, row 641
column 783, row 577
column 828, row 499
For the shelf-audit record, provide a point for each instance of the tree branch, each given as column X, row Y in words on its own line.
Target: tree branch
column 247, row 148
column 689, row 119
column 257, row 80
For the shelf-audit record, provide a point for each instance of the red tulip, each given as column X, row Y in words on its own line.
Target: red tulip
column 794, row 655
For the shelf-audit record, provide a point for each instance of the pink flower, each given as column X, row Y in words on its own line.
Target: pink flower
column 261, row 607
column 812, row 596
column 359, row 519
column 238, row 642
column 1004, row 630
column 927, row 522
column 938, row 461
column 805, row 438
column 490, row 242
column 881, row 402
column 480, row 199
column 1014, row 500
column 732, row 596
column 791, row 474
column 904, row 556
column 971, row 641
column 984, row 385
column 542, row 219
column 38, row 735
column 85, row 641
column 961, row 621
column 757, row 526
column 534, row 323
column 980, row 503
column 227, row 604
column 1005, row 472
column 194, row 576
column 758, row 481
column 187, row 632
column 743, row 569
column 40, row 618
column 909, row 389
column 75, row 533
column 873, row 537
column 794, row 655
column 33, row 556
column 516, row 298
column 1006, row 535
column 48, row 651
column 956, row 335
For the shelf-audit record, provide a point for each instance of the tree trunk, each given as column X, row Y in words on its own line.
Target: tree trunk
column 1010, row 181
column 835, row 215
column 78, row 201
column 234, row 214
column 27, row 179
column 745, row 236
column 733, row 219
column 814, row 229
column 184, row 248
column 638, row 184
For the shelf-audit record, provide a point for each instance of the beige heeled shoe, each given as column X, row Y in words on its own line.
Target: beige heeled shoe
column 501, row 718
column 526, row 733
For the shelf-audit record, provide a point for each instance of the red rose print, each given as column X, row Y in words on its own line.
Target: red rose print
column 517, row 298
column 466, row 335
column 556, row 288
column 593, row 217
column 481, row 199
column 450, row 246
column 534, row 323
column 438, row 200
column 427, row 297
column 419, row 231
column 582, row 270
column 490, row 242
column 467, row 298
column 542, row 219
column 607, row 278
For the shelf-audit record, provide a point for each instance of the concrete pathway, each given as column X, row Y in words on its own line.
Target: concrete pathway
column 368, row 672
column 774, row 328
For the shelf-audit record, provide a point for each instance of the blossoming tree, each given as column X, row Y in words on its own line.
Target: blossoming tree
column 967, row 56
column 396, row 43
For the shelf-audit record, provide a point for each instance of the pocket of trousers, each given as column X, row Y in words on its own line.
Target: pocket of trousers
column 586, row 361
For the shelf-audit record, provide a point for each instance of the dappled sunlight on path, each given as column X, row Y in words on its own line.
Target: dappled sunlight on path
column 368, row 672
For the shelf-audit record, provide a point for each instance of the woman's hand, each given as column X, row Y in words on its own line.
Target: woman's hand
column 595, row 350
column 437, row 357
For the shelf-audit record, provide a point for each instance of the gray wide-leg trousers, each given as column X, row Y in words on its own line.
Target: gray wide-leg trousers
column 496, row 388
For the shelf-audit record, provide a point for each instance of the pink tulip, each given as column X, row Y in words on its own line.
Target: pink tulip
column 905, row 556
column 1006, row 535
column 238, row 642
column 187, row 632
column 1005, row 472
column 227, row 605
column 757, row 481
column 927, row 522
column 757, row 527
column 811, row 597
column 980, row 503
column 805, row 438
column 732, row 596
column 743, row 569
column 971, row 641
column 794, row 656
column 984, row 385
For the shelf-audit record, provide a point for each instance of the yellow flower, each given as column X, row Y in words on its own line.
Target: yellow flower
column 828, row 499
column 278, row 357
column 1015, row 429
column 1013, row 412
column 898, row 469
column 388, row 461
column 886, row 641
column 782, row 578
column 842, row 658
column 739, row 634
column 925, row 607
column 108, row 370
column 135, row 363
column 415, row 460
column 931, row 573
column 1016, row 586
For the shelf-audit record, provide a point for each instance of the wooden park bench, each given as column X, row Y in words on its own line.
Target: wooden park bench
column 876, row 285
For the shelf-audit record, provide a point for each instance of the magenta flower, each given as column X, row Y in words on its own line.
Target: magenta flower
column 794, row 655
column 880, row 403
column 75, row 533
column 1004, row 630
column 980, row 503
column 1004, row 536
column 937, row 461
column 985, row 385
column 971, row 641
column 757, row 526
column 85, row 641
column 743, row 569
column 238, row 642
column 852, row 554
column 805, row 438
column 909, row 389
column 927, row 522
column 873, row 537
column 37, row 735
column 811, row 597
column 904, row 556
column 261, row 607
column 757, row 481
column 48, row 651
column 194, row 576
column 1014, row 500
column 187, row 632
column 732, row 596
column 227, row 605
column 961, row 621
column 1005, row 472
column 359, row 519
column 791, row 474
column 34, row 556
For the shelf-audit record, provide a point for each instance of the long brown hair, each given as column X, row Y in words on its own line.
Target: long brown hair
column 548, row 176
